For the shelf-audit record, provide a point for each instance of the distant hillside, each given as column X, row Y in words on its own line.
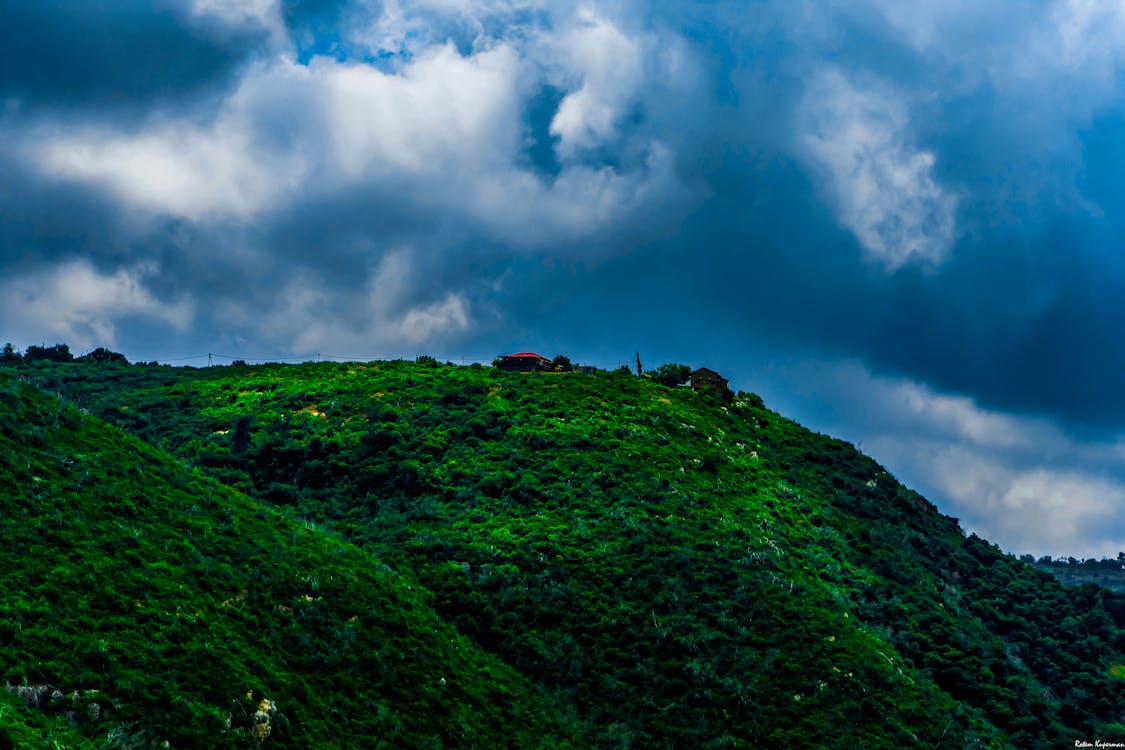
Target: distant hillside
column 146, row 604
column 674, row 569
column 1109, row 574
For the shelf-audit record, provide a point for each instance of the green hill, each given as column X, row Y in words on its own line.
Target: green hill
column 1106, row 573
column 673, row 569
column 145, row 604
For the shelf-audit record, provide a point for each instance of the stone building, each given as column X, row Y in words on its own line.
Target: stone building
column 707, row 378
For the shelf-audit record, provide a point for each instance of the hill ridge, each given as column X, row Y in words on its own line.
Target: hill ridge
column 677, row 570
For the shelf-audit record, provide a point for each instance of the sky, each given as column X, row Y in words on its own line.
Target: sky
column 899, row 223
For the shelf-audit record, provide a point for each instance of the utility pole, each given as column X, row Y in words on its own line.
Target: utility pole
column 638, row 364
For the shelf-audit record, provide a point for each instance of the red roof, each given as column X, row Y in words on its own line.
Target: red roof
column 526, row 354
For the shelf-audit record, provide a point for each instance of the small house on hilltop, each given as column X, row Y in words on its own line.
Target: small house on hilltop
column 707, row 378
column 523, row 362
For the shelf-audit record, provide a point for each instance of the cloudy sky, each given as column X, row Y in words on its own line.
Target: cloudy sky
column 900, row 223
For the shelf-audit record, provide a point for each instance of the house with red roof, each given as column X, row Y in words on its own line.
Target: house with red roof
column 523, row 362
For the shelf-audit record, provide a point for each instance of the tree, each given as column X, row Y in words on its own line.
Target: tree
column 101, row 354
column 9, row 354
column 671, row 374
column 56, row 353
column 561, row 363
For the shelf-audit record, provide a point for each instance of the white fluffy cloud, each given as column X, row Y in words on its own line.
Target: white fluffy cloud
column 444, row 111
column 80, row 305
column 290, row 128
column 1087, row 38
column 263, row 14
column 606, row 67
column 883, row 186
column 175, row 168
column 1028, row 509
column 442, row 131
column 1019, row 481
column 382, row 317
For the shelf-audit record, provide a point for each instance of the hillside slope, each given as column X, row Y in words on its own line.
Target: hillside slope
column 682, row 571
column 145, row 604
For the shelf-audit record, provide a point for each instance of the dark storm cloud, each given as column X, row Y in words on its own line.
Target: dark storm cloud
column 112, row 53
column 41, row 220
column 1020, row 312
column 1023, row 321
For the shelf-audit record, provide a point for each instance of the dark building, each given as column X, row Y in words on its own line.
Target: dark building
column 523, row 362
column 708, row 378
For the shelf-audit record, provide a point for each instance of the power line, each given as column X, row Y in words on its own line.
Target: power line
column 182, row 359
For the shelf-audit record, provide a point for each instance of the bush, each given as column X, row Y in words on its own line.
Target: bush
column 752, row 399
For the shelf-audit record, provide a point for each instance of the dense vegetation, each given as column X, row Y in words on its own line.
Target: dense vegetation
column 143, row 604
column 671, row 568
